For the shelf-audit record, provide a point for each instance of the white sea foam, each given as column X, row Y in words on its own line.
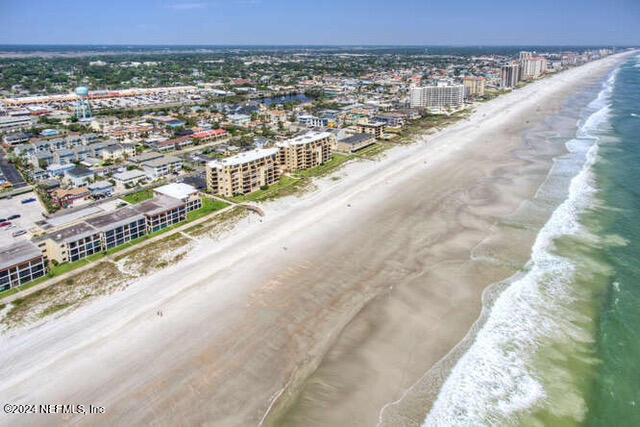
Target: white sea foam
column 494, row 381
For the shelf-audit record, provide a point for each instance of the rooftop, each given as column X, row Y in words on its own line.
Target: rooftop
column 17, row 253
column 177, row 190
column 305, row 139
column 246, row 157
column 145, row 157
column 114, row 219
column 157, row 205
column 357, row 138
column 123, row 176
column 161, row 161
column 72, row 233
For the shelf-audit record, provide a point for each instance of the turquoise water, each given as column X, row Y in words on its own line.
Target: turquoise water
column 614, row 398
column 561, row 345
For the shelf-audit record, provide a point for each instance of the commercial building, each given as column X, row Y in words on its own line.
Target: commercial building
column 305, row 151
column 473, row 86
column 20, row 262
column 440, row 96
column 243, row 173
column 510, row 75
column 354, row 143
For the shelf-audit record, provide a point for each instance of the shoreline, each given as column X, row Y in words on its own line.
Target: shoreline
column 440, row 370
column 262, row 304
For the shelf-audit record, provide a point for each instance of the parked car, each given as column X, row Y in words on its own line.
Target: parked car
column 18, row 233
column 4, row 219
column 4, row 224
column 28, row 200
column 13, row 216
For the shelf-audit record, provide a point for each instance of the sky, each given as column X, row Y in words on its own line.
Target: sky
column 323, row 22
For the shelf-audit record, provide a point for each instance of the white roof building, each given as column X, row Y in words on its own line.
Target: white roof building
column 246, row 157
column 177, row 190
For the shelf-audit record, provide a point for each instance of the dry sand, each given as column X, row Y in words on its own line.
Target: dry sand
column 378, row 291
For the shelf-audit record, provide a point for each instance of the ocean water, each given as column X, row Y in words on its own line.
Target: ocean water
column 561, row 345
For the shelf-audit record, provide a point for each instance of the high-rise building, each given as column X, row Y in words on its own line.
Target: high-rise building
column 437, row 96
column 532, row 67
column 525, row 55
column 510, row 75
column 474, row 86
column 243, row 173
column 305, row 151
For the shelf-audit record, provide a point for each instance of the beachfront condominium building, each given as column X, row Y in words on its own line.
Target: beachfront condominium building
column 244, row 172
column 119, row 227
column 525, row 55
column 532, row 67
column 305, row 151
column 473, row 86
column 355, row 142
column 71, row 243
column 20, row 262
column 169, row 206
column 510, row 75
column 374, row 128
column 440, row 96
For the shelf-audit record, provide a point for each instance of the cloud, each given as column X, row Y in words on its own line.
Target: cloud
column 187, row 6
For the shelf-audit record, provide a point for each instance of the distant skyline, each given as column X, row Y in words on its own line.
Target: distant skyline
column 321, row 22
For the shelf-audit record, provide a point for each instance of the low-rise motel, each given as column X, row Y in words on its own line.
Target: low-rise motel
column 74, row 236
column 247, row 172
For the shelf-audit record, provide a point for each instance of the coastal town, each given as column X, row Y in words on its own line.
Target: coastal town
column 86, row 172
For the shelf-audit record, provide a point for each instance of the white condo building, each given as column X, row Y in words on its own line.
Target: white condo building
column 533, row 67
column 437, row 96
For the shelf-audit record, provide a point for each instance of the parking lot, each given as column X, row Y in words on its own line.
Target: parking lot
column 29, row 214
column 9, row 173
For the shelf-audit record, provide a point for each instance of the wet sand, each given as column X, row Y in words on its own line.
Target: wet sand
column 373, row 294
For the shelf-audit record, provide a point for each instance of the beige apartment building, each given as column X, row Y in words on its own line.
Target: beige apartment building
column 374, row 128
column 305, row 151
column 244, row 172
column 474, row 86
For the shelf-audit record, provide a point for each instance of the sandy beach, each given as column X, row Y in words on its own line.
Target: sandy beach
column 327, row 309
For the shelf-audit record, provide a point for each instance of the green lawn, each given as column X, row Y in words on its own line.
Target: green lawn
column 297, row 182
column 332, row 165
column 208, row 206
column 284, row 187
column 138, row 196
